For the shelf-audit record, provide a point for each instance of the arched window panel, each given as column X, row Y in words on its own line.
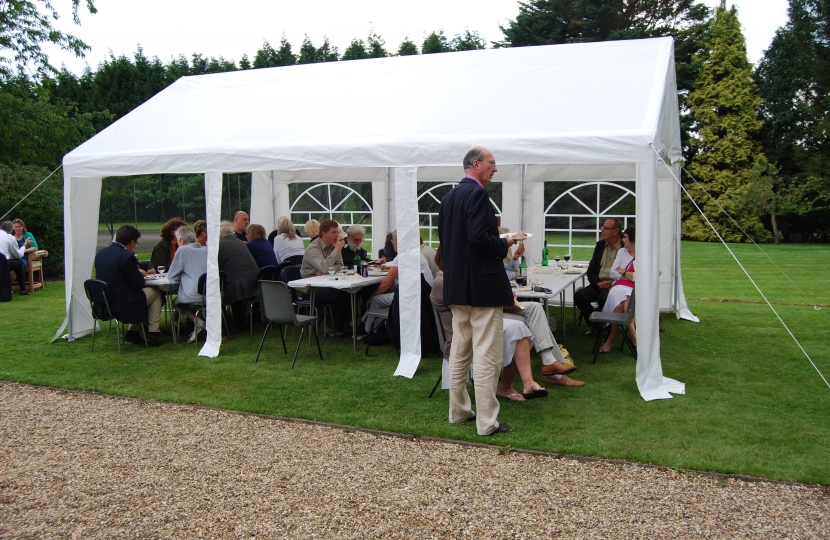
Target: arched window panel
column 429, row 203
column 575, row 212
column 347, row 204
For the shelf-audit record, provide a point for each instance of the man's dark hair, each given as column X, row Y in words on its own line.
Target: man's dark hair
column 126, row 234
column 326, row 225
column 476, row 153
column 618, row 225
column 631, row 234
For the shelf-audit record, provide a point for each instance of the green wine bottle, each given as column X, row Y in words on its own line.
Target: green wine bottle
column 522, row 268
column 545, row 254
column 356, row 262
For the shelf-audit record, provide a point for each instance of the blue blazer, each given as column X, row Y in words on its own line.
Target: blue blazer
column 473, row 269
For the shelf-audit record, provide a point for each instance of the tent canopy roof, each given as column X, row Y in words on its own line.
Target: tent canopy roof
column 582, row 104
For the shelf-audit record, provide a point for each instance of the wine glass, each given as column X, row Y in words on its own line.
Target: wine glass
column 161, row 270
column 557, row 259
column 567, row 259
column 536, row 262
column 331, row 271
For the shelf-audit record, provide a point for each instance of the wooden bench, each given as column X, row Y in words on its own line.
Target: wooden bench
column 35, row 266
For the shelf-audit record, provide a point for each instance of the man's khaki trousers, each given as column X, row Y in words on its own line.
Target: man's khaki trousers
column 477, row 336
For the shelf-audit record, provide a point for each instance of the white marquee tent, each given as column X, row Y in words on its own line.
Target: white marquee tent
column 596, row 111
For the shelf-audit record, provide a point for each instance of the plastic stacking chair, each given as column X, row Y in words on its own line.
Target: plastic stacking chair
column 622, row 320
column 98, row 293
column 267, row 273
column 277, row 308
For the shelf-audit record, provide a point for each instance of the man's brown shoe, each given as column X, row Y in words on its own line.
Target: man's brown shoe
column 557, row 368
column 564, row 380
column 153, row 339
column 134, row 337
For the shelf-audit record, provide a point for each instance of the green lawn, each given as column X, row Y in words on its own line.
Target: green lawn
column 754, row 404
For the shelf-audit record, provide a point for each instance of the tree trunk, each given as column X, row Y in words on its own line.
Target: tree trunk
column 775, row 233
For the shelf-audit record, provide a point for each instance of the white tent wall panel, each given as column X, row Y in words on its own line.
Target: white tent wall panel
column 213, row 198
column 409, row 268
column 263, row 200
column 82, row 228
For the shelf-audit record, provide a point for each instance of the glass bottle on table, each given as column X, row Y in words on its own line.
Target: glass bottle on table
column 545, row 253
column 522, row 268
column 357, row 263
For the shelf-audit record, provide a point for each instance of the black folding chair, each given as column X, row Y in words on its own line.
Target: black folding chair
column 98, row 293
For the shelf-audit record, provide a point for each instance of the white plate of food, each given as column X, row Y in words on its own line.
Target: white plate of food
column 518, row 237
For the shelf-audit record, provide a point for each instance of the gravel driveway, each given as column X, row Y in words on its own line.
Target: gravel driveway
column 77, row 465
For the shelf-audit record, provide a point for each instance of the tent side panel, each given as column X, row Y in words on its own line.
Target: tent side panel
column 409, row 268
column 81, row 202
column 213, row 197
column 262, row 200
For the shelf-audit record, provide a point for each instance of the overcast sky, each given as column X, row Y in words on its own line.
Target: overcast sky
column 168, row 28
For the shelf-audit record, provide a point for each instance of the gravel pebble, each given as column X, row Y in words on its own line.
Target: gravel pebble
column 79, row 465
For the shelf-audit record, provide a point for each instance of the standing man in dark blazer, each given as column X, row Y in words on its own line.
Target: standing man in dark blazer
column 599, row 269
column 132, row 302
column 476, row 289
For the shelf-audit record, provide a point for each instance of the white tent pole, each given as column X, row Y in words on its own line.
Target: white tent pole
column 388, row 203
column 273, row 201
column 522, row 213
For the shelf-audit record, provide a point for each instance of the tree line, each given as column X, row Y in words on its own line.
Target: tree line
column 755, row 138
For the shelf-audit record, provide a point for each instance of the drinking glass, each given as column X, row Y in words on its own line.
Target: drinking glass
column 536, row 263
column 331, row 271
column 161, row 270
column 567, row 257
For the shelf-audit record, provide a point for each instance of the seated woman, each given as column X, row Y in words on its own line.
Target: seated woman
column 287, row 243
column 516, row 345
column 165, row 250
column 312, row 229
column 617, row 302
column 21, row 234
column 259, row 247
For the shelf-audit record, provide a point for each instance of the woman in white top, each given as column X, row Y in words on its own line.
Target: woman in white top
column 618, row 296
column 287, row 243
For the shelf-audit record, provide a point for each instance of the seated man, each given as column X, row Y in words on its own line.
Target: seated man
column 240, row 225
column 238, row 263
column 132, row 302
column 381, row 298
column 534, row 317
column 429, row 255
column 354, row 241
column 14, row 253
column 322, row 253
column 515, row 353
column 599, row 269
column 187, row 267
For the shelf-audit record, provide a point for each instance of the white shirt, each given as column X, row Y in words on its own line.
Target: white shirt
column 284, row 248
column 425, row 270
column 8, row 246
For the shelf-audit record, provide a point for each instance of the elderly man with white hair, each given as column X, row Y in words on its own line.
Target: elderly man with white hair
column 354, row 242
